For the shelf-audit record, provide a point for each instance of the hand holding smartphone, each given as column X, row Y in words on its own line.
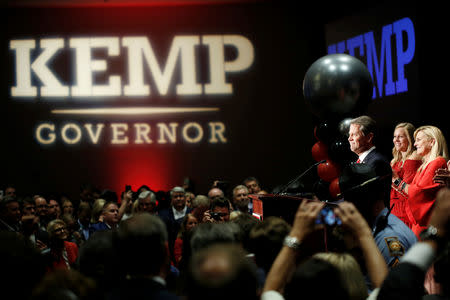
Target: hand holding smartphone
column 328, row 217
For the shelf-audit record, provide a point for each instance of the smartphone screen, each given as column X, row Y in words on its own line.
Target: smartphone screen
column 328, row 217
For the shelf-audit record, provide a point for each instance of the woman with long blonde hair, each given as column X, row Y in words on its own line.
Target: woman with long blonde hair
column 350, row 271
column 421, row 192
column 404, row 164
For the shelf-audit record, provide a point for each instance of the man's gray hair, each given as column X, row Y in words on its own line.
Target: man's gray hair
column 177, row 189
column 366, row 124
column 145, row 194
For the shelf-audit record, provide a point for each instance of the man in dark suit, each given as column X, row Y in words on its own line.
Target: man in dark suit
column 109, row 218
column 30, row 224
column 174, row 215
column 141, row 242
column 368, row 192
column 361, row 138
column 9, row 214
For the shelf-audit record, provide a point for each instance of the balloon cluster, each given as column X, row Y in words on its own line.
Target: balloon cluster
column 336, row 88
column 332, row 146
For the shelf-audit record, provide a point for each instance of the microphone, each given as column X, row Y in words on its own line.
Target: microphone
column 283, row 190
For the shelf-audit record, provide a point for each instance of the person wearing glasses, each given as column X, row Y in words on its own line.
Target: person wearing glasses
column 61, row 253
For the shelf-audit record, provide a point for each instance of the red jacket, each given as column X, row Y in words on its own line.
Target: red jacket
column 406, row 172
column 58, row 260
column 422, row 194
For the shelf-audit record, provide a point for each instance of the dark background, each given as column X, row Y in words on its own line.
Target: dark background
column 268, row 127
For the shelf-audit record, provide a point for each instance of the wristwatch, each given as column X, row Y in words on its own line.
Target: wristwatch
column 397, row 181
column 431, row 234
column 292, row 242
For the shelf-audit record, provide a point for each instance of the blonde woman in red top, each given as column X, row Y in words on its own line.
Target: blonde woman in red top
column 62, row 254
column 404, row 164
column 421, row 192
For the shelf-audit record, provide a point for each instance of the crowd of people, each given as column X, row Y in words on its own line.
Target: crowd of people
column 391, row 238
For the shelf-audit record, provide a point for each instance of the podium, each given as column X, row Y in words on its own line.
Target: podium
column 285, row 207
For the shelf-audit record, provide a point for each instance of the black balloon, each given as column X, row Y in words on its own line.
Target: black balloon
column 326, row 131
column 340, row 151
column 337, row 85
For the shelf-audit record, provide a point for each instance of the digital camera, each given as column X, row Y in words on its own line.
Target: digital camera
column 216, row 215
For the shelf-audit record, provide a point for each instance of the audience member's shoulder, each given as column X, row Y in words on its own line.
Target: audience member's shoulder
column 99, row 226
column 141, row 288
column 400, row 229
column 382, row 156
column 164, row 213
column 434, row 297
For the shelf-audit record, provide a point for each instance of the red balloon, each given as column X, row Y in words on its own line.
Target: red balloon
column 315, row 132
column 328, row 170
column 334, row 188
column 319, row 151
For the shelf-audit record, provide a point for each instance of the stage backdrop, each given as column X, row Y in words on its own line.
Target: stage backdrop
column 116, row 94
column 400, row 43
